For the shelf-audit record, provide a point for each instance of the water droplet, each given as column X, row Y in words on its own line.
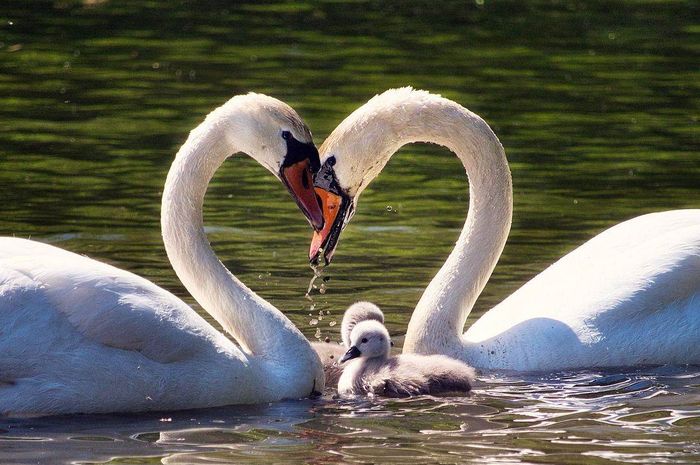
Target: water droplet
column 318, row 270
column 313, row 322
column 332, row 323
column 318, row 333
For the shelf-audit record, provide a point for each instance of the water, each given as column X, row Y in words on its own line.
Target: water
column 596, row 105
column 589, row 418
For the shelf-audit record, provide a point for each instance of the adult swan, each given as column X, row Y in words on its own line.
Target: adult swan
column 77, row 335
column 629, row 296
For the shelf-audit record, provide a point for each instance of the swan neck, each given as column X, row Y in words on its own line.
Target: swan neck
column 437, row 323
column 257, row 326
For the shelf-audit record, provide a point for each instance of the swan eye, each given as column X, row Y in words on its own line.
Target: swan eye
column 364, row 339
column 286, row 135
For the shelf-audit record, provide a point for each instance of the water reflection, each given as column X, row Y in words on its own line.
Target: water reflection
column 646, row 416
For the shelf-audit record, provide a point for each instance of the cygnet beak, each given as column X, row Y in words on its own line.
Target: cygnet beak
column 354, row 352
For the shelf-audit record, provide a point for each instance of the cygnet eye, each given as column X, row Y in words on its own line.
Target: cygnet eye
column 364, row 339
column 286, row 135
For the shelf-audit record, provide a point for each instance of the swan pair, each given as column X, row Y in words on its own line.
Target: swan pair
column 78, row 335
column 629, row 296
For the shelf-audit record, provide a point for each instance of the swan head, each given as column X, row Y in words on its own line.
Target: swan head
column 356, row 152
column 357, row 312
column 369, row 339
column 272, row 133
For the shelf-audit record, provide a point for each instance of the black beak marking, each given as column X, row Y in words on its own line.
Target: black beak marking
column 353, row 352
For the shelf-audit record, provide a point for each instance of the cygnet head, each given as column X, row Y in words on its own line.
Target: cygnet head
column 369, row 339
column 275, row 135
column 357, row 312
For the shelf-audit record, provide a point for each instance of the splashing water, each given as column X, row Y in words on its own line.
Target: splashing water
column 316, row 319
column 318, row 271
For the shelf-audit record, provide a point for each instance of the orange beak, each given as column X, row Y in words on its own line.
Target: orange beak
column 335, row 208
column 299, row 181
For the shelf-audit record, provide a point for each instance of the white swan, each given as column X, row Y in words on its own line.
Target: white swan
column 77, row 335
column 629, row 296
column 374, row 371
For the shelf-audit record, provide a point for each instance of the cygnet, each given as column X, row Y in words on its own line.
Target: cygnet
column 330, row 353
column 373, row 371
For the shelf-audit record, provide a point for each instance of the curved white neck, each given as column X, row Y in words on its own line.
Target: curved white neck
column 402, row 116
column 254, row 323
column 437, row 323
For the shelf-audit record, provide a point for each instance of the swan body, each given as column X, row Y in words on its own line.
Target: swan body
column 330, row 353
column 373, row 371
column 629, row 296
column 81, row 336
